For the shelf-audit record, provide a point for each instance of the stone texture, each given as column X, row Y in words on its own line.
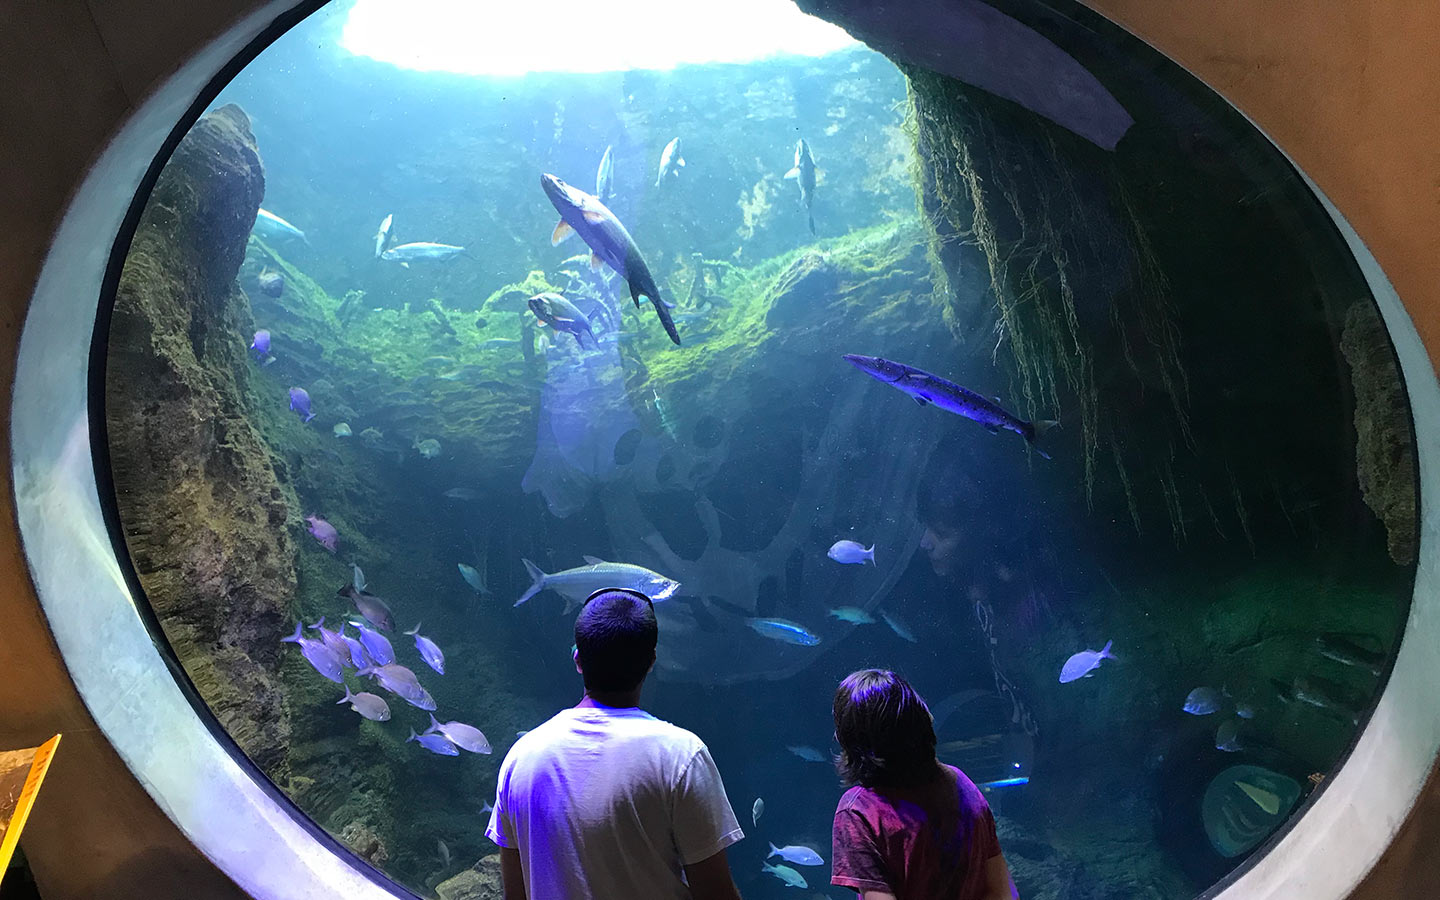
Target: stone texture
column 203, row 511
column 479, row 883
column 1384, row 448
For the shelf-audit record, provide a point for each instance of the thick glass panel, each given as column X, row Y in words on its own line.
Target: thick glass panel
column 349, row 377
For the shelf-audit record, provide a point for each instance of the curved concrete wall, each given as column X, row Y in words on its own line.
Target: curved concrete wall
column 1348, row 89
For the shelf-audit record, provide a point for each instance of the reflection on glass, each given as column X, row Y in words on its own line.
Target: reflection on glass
column 373, row 436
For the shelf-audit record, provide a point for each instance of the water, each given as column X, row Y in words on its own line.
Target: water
column 1178, row 304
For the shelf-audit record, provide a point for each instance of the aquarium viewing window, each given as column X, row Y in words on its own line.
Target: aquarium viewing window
column 347, row 404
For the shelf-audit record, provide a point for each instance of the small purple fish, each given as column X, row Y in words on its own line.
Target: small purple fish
column 429, row 652
column 300, row 402
column 852, row 553
column 375, row 610
column 376, row 645
column 370, row 706
column 1084, row 663
column 321, row 657
column 323, row 532
column 261, row 344
column 435, row 743
column 360, row 658
column 271, row 284
column 466, row 737
column 332, row 640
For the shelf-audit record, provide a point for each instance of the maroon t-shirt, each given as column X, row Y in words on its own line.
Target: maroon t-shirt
column 923, row 843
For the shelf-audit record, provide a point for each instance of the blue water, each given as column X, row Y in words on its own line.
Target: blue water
column 1238, row 545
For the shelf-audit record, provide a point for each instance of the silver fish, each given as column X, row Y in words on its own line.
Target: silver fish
column 785, row 631
column 420, row 251
column 578, row 583
column 376, row 644
column 357, row 578
column 800, row 856
column 853, row 614
column 851, row 553
column 382, row 237
column 670, row 161
column 374, row 609
column 756, row 811
column 438, row 744
column 785, row 874
column 562, row 315
column 370, row 706
column 804, row 175
column 473, row 578
column 807, row 753
column 401, row 682
column 1084, row 663
column 466, row 737
column 444, row 852
column 605, row 177
column 320, row 657
column 268, row 223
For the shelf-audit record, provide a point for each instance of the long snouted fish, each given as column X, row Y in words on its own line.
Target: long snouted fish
column 804, row 175
column 605, row 177
column 671, row 162
column 585, row 215
column 951, row 397
column 578, row 583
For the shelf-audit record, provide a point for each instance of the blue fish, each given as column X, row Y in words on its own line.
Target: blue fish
column 300, row 402
column 951, row 397
column 320, row 657
column 332, row 640
column 435, row 742
column 261, row 344
column 784, row 630
column 1084, row 663
column 359, row 657
column 585, row 215
column 375, row 644
column 429, row 652
column 1203, row 701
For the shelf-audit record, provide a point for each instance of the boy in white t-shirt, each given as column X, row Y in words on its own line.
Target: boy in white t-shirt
column 605, row 801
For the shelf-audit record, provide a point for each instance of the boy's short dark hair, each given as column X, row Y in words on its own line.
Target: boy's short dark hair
column 615, row 637
column 885, row 730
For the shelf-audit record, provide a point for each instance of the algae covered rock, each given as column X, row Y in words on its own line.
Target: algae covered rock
column 203, row 511
column 1384, row 449
column 479, row 883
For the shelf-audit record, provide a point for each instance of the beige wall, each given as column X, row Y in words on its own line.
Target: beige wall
column 1350, row 88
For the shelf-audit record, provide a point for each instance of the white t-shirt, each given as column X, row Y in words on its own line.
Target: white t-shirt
column 609, row 804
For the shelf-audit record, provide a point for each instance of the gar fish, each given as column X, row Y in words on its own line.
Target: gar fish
column 804, row 174
column 376, row 611
column 382, row 237
column 605, row 178
column 466, row 737
column 261, row 344
column 851, row 553
column 597, row 226
column 785, row 874
column 794, row 853
column 376, row 645
column 951, row 397
column 320, row 657
column 420, row 251
column 473, row 578
column 1084, row 663
column 1203, row 701
column 429, row 650
column 562, row 315
column 300, row 403
column 853, row 614
column 267, row 222
column 578, row 583
column 435, row 742
column 1341, row 649
column 785, row 631
column 323, row 532
column 371, row 706
column 462, row 493
column 671, row 162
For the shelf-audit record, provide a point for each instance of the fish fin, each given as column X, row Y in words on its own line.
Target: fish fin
column 593, row 217
column 561, row 232
column 294, row 638
column 679, row 161
column 1105, row 651
column 593, row 560
column 537, row 581
column 595, row 262
column 793, row 173
column 870, row 554
column 404, row 265
column 773, row 849
column 415, row 630
column 998, row 401
column 993, row 429
column 921, row 400
column 413, row 736
column 318, row 624
column 1035, row 431
column 434, row 724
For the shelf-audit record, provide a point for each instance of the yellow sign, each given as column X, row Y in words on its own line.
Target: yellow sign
column 21, row 772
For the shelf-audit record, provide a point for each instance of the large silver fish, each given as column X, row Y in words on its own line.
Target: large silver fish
column 585, row 215
column 270, row 224
column 671, row 162
column 949, row 396
column 382, row 237
column 420, row 251
column 605, row 177
column 804, row 175
column 577, row 584
column 785, row 631
column 562, row 315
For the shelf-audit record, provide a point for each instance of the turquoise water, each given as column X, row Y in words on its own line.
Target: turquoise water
column 1177, row 304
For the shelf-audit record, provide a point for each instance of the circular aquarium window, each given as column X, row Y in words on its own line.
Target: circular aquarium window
column 1001, row 354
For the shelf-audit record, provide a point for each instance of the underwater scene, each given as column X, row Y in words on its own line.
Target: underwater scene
column 1035, row 374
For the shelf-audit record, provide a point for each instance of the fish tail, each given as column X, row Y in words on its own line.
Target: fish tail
column 1036, row 430
column 317, row 624
column 413, row 736
column 870, row 554
column 294, row 638
column 309, row 417
column 773, row 849
column 537, row 581
column 1105, row 651
column 415, row 630
column 434, row 723
column 347, row 698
